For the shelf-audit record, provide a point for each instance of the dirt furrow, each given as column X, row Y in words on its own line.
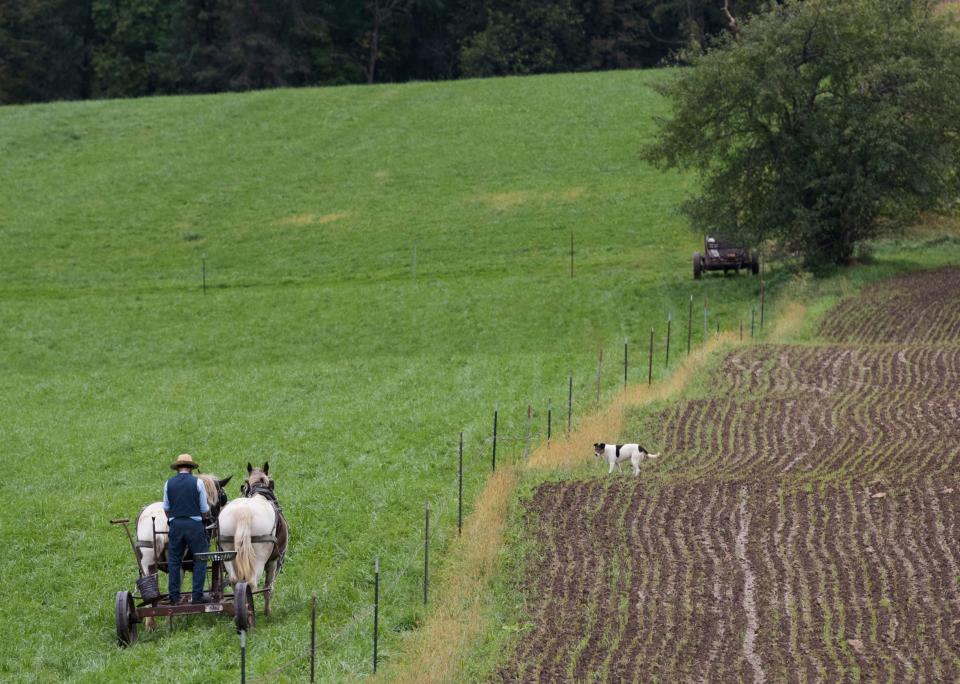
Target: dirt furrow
column 749, row 591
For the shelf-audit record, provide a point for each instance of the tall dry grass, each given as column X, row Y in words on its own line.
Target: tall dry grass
column 436, row 653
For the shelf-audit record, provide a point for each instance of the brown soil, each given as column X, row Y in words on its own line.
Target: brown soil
column 632, row 583
column 919, row 307
column 801, row 526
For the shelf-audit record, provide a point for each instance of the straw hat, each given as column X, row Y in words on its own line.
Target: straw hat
column 184, row 461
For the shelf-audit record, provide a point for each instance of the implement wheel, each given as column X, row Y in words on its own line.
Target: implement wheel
column 126, row 615
column 243, row 612
column 697, row 265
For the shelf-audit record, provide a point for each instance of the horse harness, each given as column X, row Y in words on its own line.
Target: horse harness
column 279, row 529
column 155, row 565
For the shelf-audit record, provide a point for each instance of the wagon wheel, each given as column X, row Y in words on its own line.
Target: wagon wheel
column 697, row 265
column 126, row 616
column 243, row 611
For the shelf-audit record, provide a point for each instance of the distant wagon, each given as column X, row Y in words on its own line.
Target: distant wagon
column 722, row 255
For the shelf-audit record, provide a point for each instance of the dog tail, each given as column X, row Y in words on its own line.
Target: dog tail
column 653, row 455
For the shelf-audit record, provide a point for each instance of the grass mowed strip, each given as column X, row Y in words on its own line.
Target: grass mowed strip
column 800, row 525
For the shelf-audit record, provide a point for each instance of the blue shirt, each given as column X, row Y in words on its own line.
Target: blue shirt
column 204, row 506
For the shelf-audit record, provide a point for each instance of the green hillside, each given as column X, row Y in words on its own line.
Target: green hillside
column 314, row 348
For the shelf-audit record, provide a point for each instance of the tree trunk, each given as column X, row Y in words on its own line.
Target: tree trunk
column 732, row 22
column 374, row 42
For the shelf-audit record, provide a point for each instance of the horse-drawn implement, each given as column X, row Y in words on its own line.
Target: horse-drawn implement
column 255, row 529
column 132, row 608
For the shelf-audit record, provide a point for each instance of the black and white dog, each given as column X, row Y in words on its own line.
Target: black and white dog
column 615, row 454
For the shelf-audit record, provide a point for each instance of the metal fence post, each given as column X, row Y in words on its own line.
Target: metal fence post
column 426, row 552
column 624, row 363
column 762, row 290
column 496, row 410
column 313, row 638
column 460, row 489
column 376, row 610
column 570, row 405
column 704, row 320
column 650, row 362
column 689, row 325
column 669, row 321
column 549, row 419
column 526, row 446
column 243, row 656
column 599, row 371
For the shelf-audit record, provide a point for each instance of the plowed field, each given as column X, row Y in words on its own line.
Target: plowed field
column 919, row 307
column 801, row 526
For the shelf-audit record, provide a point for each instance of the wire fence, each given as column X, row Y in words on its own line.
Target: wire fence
column 588, row 397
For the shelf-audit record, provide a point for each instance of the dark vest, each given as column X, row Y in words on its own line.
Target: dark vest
column 183, row 496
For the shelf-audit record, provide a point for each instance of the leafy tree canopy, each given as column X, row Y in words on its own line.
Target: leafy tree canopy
column 821, row 124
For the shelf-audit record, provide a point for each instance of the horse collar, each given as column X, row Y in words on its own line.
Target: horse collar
column 263, row 491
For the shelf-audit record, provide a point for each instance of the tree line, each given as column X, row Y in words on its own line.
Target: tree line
column 80, row 49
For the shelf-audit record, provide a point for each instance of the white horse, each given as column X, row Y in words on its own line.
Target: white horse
column 254, row 526
column 153, row 518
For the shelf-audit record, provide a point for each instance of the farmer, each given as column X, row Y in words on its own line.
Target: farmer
column 185, row 504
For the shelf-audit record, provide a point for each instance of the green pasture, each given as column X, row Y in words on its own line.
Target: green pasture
column 315, row 347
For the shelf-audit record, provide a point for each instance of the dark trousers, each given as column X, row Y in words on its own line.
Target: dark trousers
column 185, row 533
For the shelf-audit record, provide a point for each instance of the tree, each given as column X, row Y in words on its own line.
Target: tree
column 528, row 37
column 44, row 50
column 128, row 33
column 825, row 123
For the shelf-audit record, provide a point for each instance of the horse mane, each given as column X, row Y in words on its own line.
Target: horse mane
column 210, row 486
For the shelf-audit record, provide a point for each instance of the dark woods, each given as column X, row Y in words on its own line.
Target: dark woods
column 78, row 49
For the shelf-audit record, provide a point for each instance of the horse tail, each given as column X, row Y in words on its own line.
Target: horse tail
column 243, row 564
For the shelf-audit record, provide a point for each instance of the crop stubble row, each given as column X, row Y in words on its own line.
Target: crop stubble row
column 917, row 308
column 828, row 410
column 803, row 527
column 638, row 583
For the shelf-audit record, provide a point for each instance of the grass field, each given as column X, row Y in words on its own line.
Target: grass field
column 314, row 348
